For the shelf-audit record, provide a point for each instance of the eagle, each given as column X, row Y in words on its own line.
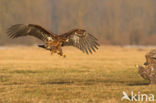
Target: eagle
column 78, row 38
column 150, row 57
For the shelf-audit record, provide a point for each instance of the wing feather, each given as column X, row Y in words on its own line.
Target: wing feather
column 37, row 31
column 82, row 40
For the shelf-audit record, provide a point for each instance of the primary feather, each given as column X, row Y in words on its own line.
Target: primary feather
column 81, row 39
column 37, row 31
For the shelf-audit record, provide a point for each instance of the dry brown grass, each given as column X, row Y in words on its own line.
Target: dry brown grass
column 32, row 75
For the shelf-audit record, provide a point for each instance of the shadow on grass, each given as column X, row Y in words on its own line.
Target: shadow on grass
column 120, row 82
column 24, row 71
column 57, row 82
column 143, row 83
column 84, row 82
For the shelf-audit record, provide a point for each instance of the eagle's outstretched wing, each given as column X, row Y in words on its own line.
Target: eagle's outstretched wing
column 37, row 31
column 81, row 39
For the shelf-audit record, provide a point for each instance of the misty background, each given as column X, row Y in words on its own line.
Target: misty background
column 117, row 22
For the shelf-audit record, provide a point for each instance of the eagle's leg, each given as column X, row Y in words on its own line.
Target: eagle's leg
column 60, row 52
column 51, row 52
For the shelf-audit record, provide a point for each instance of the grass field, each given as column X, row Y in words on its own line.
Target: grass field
column 32, row 75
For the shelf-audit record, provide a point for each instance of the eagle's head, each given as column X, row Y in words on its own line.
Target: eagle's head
column 79, row 31
column 49, row 39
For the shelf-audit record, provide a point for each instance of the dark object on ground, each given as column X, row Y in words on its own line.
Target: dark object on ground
column 148, row 71
column 150, row 57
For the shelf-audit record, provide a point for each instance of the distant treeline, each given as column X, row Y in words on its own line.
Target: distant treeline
column 117, row 22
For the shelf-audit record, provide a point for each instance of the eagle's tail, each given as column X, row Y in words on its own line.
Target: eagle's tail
column 42, row 46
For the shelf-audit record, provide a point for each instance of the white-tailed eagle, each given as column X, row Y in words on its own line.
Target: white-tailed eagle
column 78, row 38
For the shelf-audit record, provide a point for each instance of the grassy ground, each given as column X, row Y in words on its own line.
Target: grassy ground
column 32, row 75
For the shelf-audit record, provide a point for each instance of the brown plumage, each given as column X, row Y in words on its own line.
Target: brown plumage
column 77, row 37
column 150, row 57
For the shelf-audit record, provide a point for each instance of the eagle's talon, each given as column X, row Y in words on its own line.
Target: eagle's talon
column 58, row 52
column 64, row 55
